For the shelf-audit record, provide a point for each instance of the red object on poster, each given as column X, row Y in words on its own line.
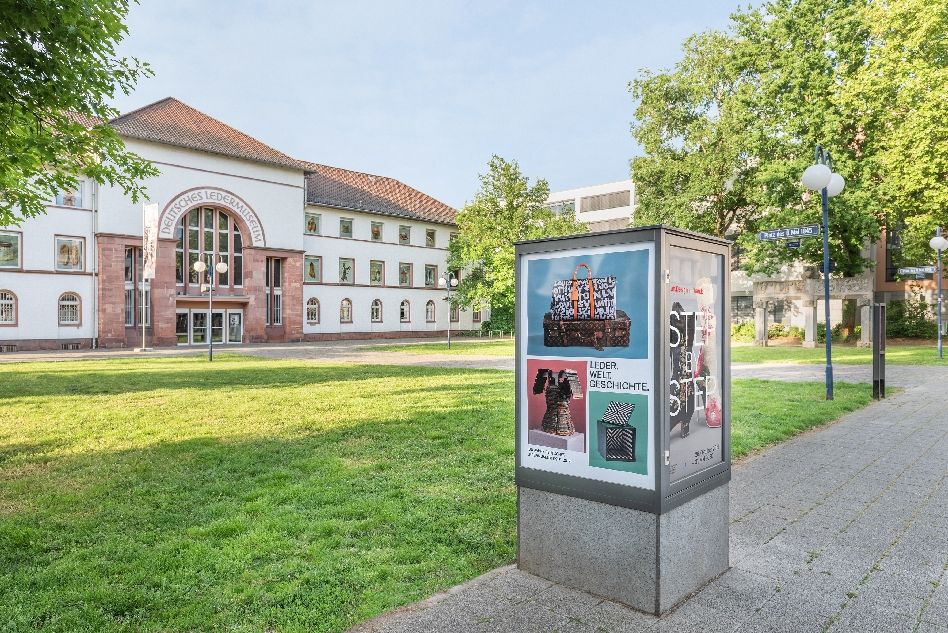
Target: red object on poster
column 712, row 413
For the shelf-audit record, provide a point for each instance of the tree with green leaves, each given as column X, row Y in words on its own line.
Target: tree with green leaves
column 729, row 131
column 505, row 210
column 58, row 71
column 900, row 99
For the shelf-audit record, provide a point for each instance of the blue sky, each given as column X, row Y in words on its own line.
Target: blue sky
column 422, row 91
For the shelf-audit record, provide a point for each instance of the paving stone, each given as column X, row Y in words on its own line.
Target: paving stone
column 616, row 618
column 862, row 619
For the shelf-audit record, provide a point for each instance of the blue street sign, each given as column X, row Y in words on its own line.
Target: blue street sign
column 790, row 232
column 793, row 243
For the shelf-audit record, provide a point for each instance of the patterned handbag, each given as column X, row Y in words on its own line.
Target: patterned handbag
column 591, row 299
column 616, row 435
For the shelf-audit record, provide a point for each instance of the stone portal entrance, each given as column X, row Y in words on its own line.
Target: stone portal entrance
column 807, row 292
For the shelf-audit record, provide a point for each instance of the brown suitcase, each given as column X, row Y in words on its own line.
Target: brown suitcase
column 597, row 333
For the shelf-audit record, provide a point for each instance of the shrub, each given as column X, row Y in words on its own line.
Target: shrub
column 795, row 332
column 911, row 318
column 743, row 331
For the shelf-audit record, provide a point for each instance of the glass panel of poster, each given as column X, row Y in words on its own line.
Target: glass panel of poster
column 696, row 345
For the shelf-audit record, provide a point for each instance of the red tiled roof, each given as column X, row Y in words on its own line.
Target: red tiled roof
column 336, row 187
column 84, row 119
column 175, row 123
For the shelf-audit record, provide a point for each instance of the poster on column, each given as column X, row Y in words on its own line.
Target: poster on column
column 695, row 341
column 587, row 367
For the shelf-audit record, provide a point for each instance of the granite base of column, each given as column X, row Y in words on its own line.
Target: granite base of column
column 646, row 561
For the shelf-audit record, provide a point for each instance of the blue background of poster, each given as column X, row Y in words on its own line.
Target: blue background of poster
column 631, row 269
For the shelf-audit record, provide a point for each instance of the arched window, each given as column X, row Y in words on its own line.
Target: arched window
column 7, row 308
column 69, row 308
column 377, row 311
column 345, row 311
column 455, row 314
column 404, row 311
column 430, row 312
column 205, row 231
column 312, row 310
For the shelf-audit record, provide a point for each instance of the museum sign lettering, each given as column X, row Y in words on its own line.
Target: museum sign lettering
column 175, row 210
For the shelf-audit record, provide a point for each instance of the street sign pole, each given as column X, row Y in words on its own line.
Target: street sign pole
column 938, row 272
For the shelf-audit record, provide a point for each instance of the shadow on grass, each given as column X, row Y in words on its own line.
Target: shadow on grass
column 90, row 378
column 314, row 532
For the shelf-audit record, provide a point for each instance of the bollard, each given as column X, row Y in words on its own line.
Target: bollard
column 878, row 351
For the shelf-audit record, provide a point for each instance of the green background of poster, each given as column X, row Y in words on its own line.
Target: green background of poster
column 598, row 401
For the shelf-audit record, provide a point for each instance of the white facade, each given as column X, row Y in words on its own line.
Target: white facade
column 330, row 246
column 80, row 251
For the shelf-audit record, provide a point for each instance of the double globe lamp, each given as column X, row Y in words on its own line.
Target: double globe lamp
column 820, row 177
column 449, row 282
column 200, row 267
column 939, row 243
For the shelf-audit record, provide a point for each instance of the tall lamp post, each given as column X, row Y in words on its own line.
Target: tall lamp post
column 448, row 281
column 201, row 267
column 939, row 243
column 820, row 177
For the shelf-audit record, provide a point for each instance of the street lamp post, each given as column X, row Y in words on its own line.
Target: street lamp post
column 449, row 281
column 939, row 243
column 201, row 267
column 820, row 177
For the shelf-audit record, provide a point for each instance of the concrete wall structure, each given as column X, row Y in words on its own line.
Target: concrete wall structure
column 603, row 207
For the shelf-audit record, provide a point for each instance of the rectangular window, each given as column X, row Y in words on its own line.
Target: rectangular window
column 181, row 327
column 376, row 231
column 430, row 238
column 455, row 314
column 134, row 285
column 476, row 316
column 129, row 306
column 70, row 198
column 313, row 268
column 10, row 247
column 431, row 276
column 452, row 237
column 70, row 253
column 376, row 273
column 404, row 234
column 345, row 227
column 274, row 291
column 346, row 270
column 404, row 274
column 312, row 224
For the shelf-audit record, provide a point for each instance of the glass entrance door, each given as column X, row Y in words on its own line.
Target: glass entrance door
column 235, row 326
column 227, row 326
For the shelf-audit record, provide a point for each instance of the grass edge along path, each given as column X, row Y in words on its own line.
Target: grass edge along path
column 459, row 347
column 842, row 355
column 168, row 494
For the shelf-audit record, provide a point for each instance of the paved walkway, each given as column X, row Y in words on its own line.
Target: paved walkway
column 839, row 530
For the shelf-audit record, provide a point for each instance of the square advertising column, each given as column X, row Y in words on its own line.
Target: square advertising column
column 623, row 413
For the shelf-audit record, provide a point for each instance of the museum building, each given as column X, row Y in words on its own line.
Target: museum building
column 313, row 252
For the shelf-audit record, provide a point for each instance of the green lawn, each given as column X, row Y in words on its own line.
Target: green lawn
column 842, row 354
column 258, row 495
column 462, row 347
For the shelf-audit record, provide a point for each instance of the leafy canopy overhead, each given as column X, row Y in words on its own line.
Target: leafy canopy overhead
column 507, row 209
column 727, row 133
column 58, row 70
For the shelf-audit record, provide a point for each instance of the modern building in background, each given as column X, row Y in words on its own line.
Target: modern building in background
column 602, row 207
column 313, row 252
